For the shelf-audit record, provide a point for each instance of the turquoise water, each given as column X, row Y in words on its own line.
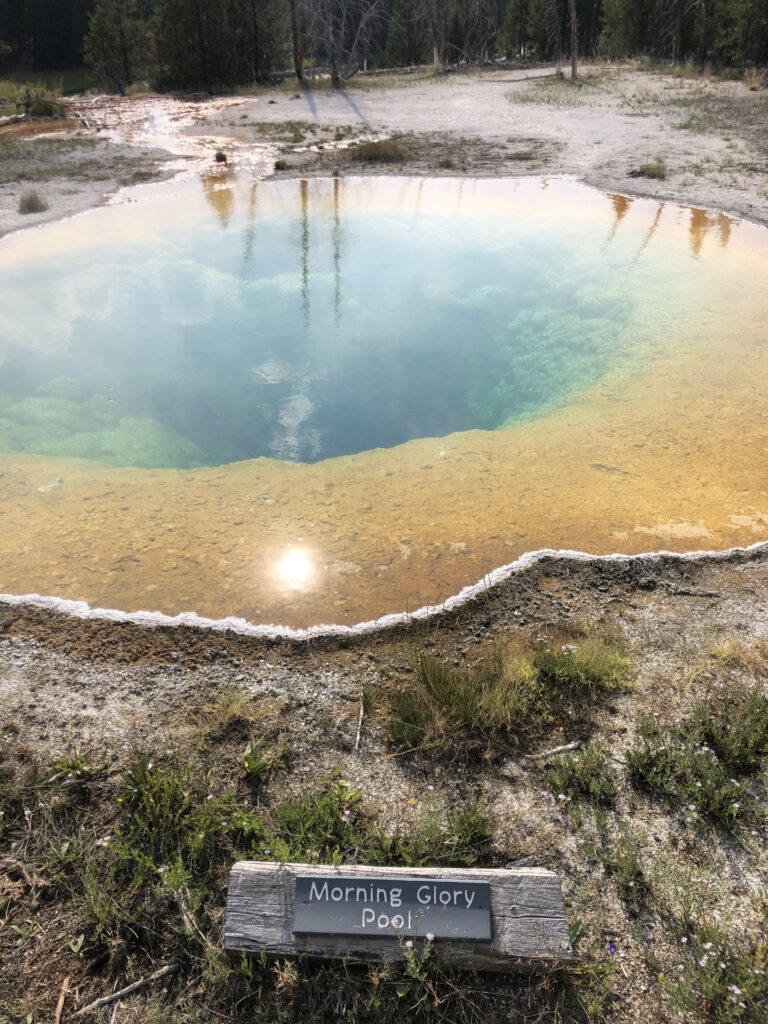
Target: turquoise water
column 303, row 321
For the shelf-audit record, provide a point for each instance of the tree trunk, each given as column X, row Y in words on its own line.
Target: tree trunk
column 127, row 76
column 676, row 39
column 434, row 33
column 202, row 48
column 298, row 49
column 255, row 61
column 702, row 34
column 331, row 42
column 573, row 40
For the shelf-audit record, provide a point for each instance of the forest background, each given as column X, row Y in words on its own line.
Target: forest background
column 220, row 44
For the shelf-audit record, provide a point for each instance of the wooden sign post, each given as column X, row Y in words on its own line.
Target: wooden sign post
column 489, row 920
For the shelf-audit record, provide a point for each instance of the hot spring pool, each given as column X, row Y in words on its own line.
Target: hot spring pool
column 303, row 402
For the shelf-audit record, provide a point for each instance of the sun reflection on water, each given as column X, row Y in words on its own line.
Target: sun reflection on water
column 296, row 569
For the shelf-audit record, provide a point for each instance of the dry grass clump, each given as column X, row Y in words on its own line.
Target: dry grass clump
column 43, row 104
column 31, row 202
column 735, row 654
column 756, row 78
column 551, row 92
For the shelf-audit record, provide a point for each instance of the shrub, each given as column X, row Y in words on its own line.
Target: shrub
column 756, row 78
column 31, row 202
column 45, row 105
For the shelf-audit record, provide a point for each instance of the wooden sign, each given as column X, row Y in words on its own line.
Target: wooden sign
column 493, row 920
column 447, row 908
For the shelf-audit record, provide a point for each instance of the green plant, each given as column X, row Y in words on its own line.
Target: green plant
column 259, row 766
column 76, row 768
column 467, row 833
column 586, row 775
column 723, row 976
column 31, row 202
column 694, row 763
column 622, row 862
column 166, row 814
column 324, row 824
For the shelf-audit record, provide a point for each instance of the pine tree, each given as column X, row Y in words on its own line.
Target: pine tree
column 406, row 35
column 514, row 30
column 626, row 27
column 202, row 43
column 116, row 45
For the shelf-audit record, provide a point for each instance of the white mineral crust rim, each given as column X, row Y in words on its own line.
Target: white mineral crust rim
column 82, row 610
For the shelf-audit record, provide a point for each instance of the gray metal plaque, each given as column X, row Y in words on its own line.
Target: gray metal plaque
column 437, row 908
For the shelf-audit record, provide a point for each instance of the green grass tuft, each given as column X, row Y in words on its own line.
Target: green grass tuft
column 656, row 168
column 384, row 152
column 622, row 862
column 506, row 701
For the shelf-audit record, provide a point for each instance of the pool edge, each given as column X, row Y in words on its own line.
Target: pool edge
column 491, row 581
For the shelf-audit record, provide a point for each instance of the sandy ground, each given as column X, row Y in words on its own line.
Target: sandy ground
column 709, row 133
column 110, row 144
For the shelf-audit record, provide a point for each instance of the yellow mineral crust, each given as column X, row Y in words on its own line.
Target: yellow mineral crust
column 675, row 459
